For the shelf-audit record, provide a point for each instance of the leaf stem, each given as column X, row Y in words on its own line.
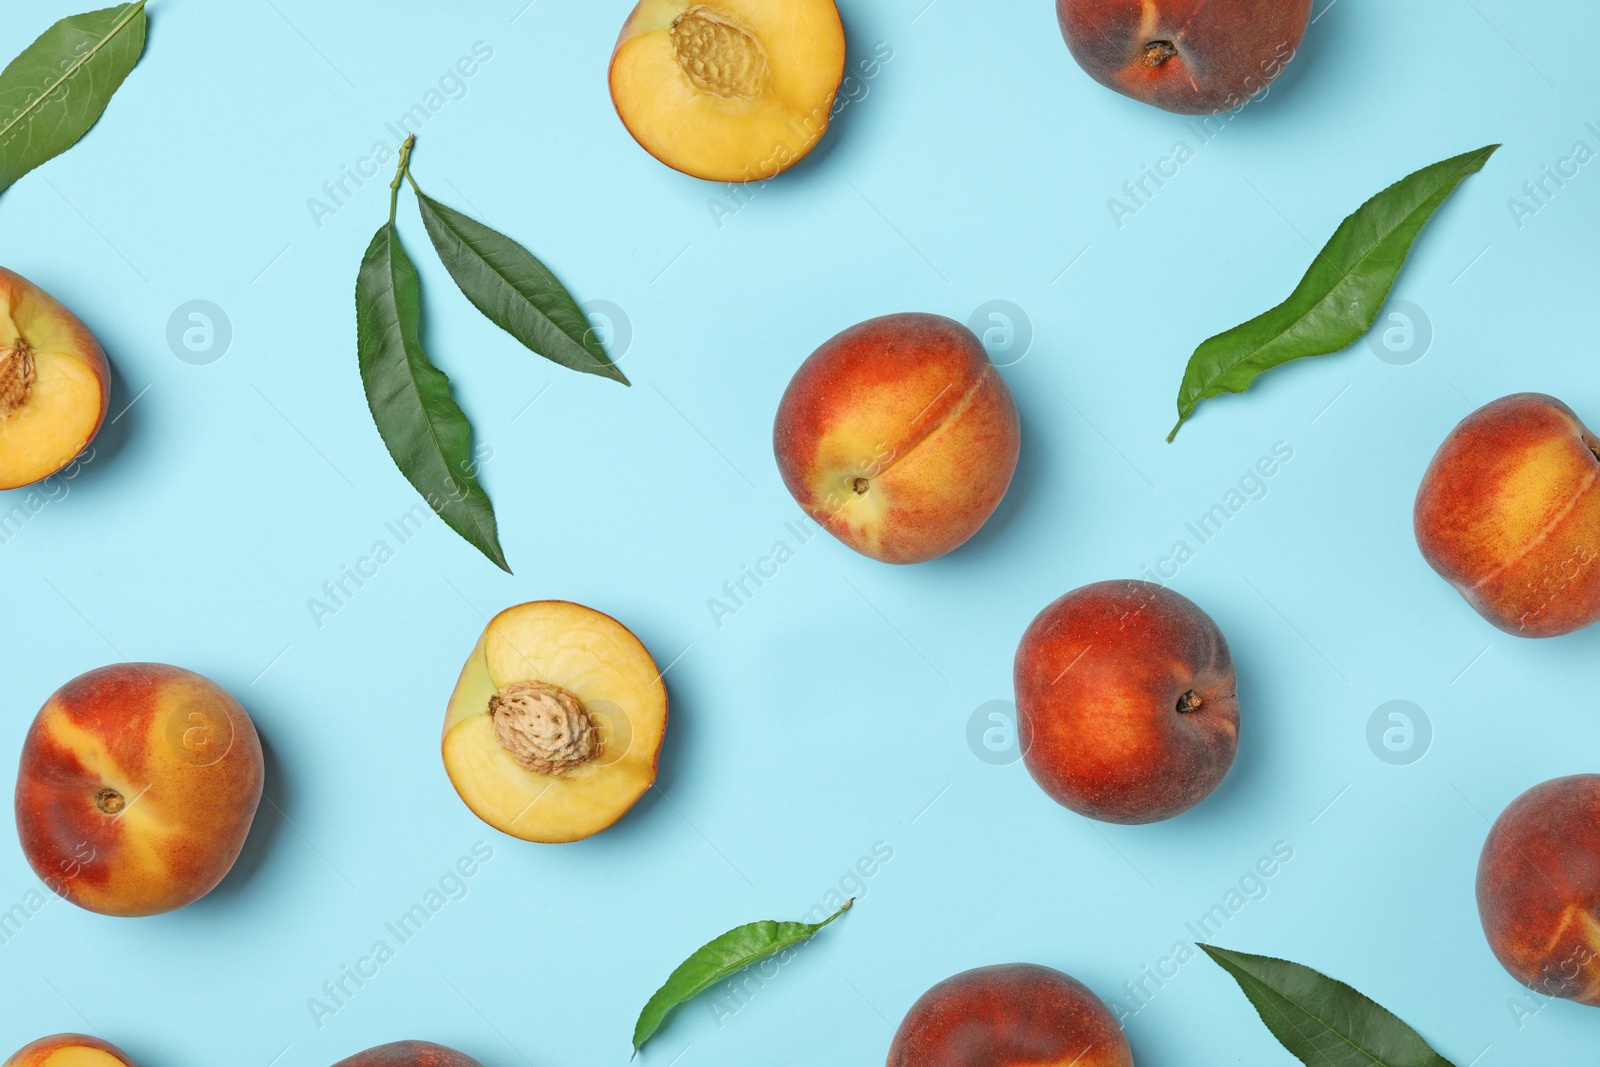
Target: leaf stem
column 401, row 171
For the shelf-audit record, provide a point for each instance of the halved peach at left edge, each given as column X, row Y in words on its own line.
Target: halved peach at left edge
column 55, row 383
column 728, row 90
column 69, row 1050
column 555, row 727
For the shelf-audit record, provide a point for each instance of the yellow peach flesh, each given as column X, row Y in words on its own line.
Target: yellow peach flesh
column 591, row 656
column 48, row 419
column 733, row 90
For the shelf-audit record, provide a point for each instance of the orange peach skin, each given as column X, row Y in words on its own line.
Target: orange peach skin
column 1509, row 514
column 1539, row 888
column 409, row 1054
column 1127, row 709
column 137, row 787
column 1195, row 57
column 69, row 1050
column 70, row 395
column 1014, row 1015
column 899, row 437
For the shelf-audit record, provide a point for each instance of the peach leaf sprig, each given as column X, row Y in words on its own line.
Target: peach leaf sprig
column 1324, row 1022
column 426, row 432
column 57, row 89
column 1340, row 296
column 719, row 958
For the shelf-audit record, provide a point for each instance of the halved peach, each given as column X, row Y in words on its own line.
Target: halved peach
column 55, row 383
column 555, row 726
column 728, row 90
column 69, row 1050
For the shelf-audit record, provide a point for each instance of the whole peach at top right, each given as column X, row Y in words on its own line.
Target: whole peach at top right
column 1509, row 514
column 1195, row 57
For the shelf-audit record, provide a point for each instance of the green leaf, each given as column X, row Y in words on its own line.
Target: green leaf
column 515, row 291
column 57, row 89
column 1323, row 1022
column 1339, row 298
column 425, row 431
column 733, row 951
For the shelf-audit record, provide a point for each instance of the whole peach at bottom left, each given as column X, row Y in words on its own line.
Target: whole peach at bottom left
column 137, row 788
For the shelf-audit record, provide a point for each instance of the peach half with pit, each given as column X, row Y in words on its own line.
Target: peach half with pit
column 55, row 384
column 728, row 90
column 69, row 1050
column 555, row 727
column 137, row 787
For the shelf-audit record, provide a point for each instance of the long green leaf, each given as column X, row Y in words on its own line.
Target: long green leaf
column 716, row 960
column 515, row 291
column 57, row 89
column 425, row 431
column 1323, row 1022
column 1339, row 298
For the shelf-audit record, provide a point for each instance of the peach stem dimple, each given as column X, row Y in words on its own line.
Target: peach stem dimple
column 1190, row 701
column 17, row 375
column 861, row 485
column 110, row 802
column 1158, row 52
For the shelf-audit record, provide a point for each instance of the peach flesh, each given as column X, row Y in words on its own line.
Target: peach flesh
column 1194, row 57
column 1127, row 704
column 55, row 384
column 1013, row 1015
column 728, row 90
column 1539, row 888
column 899, row 437
column 1509, row 514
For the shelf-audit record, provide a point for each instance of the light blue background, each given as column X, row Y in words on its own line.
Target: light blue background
column 830, row 713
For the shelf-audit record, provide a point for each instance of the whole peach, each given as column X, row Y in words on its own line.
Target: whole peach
column 1509, row 514
column 1013, row 1015
column 899, row 437
column 69, row 1050
column 1127, row 709
column 409, row 1054
column 1539, row 888
column 137, row 787
column 1195, row 57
